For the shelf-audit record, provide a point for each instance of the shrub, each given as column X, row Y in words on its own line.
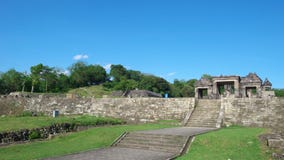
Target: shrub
column 279, row 92
column 26, row 114
column 34, row 134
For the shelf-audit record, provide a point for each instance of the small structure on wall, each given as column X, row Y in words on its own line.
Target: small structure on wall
column 235, row 86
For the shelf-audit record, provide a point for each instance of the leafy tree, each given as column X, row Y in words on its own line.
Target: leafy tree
column 155, row 84
column 96, row 74
column 126, row 85
column 134, row 75
column 207, row 76
column 12, row 81
column 85, row 75
column 43, row 77
column 36, row 75
column 2, row 86
column 63, row 83
column 78, row 74
column 279, row 92
column 118, row 72
column 181, row 88
column 190, row 88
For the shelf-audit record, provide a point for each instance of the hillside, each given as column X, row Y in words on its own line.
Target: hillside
column 97, row 91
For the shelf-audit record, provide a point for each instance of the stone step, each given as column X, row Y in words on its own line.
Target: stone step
column 198, row 113
column 157, row 136
column 204, row 118
column 206, row 111
column 202, row 125
column 151, row 143
column 149, row 147
column 203, row 121
column 207, row 108
column 212, row 116
column 154, row 142
column 205, row 114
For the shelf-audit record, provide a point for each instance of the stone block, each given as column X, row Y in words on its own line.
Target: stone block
column 275, row 143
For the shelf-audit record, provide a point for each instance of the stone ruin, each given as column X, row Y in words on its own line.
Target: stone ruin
column 233, row 86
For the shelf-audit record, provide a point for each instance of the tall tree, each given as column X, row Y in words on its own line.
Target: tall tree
column 85, row 75
column 182, row 88
column 44, row 77
column 78, row 74
column 155, row 84
column 12, row 81
column 134, row 75
column 63, row 83
column 36, row 75
column 96, row 74
column 118, row 72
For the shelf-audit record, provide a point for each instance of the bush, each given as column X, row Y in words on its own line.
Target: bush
column 279, row 92
column 35, row 134
column 26, row 114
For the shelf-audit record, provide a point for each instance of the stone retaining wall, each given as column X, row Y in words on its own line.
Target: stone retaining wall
column 267, row 112
column 261, row 112
column 130, row 109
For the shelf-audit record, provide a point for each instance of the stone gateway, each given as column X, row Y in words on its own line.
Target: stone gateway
column 236, row 86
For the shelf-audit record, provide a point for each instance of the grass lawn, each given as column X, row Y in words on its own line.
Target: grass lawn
column 233, row 143
column 16, row 123
column 71, row 143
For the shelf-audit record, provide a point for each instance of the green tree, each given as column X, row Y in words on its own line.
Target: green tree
column 189, row 88
column 279, row 92
column 96, row 74
column 85, row 75
column 134, row 75
column 118, row 72
column 36, row 75
column 2, row 87
column 12, row 81
column 182, row 88
column 78, row 74
column 126, row 85
column 155, row 84
column 207, row 76
column 43, row 77
column 63, row 83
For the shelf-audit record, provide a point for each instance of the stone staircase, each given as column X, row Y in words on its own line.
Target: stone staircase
column 205, row 114
column 155, row 142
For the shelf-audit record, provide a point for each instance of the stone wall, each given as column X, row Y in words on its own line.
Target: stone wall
column 260, row 112
column 130, row 109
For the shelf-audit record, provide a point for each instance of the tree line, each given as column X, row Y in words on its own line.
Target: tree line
column 45, row 79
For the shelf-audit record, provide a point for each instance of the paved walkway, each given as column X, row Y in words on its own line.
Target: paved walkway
column 118, row 153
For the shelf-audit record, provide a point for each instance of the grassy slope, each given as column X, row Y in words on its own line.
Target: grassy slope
column 16, row 123
column 93, row 91
column 74, row 142
column 234, row 143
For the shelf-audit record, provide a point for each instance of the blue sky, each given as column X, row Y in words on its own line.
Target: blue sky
column 174, row 39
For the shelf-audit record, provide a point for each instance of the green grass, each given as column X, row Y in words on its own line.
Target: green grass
column 16, row 123
column 72, row 143
column 93, row 91
column 233, row 143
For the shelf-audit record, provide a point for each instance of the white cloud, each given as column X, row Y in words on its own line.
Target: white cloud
column 107, row 66
column 171, row 74
column 66, row 72
column 80, row 57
